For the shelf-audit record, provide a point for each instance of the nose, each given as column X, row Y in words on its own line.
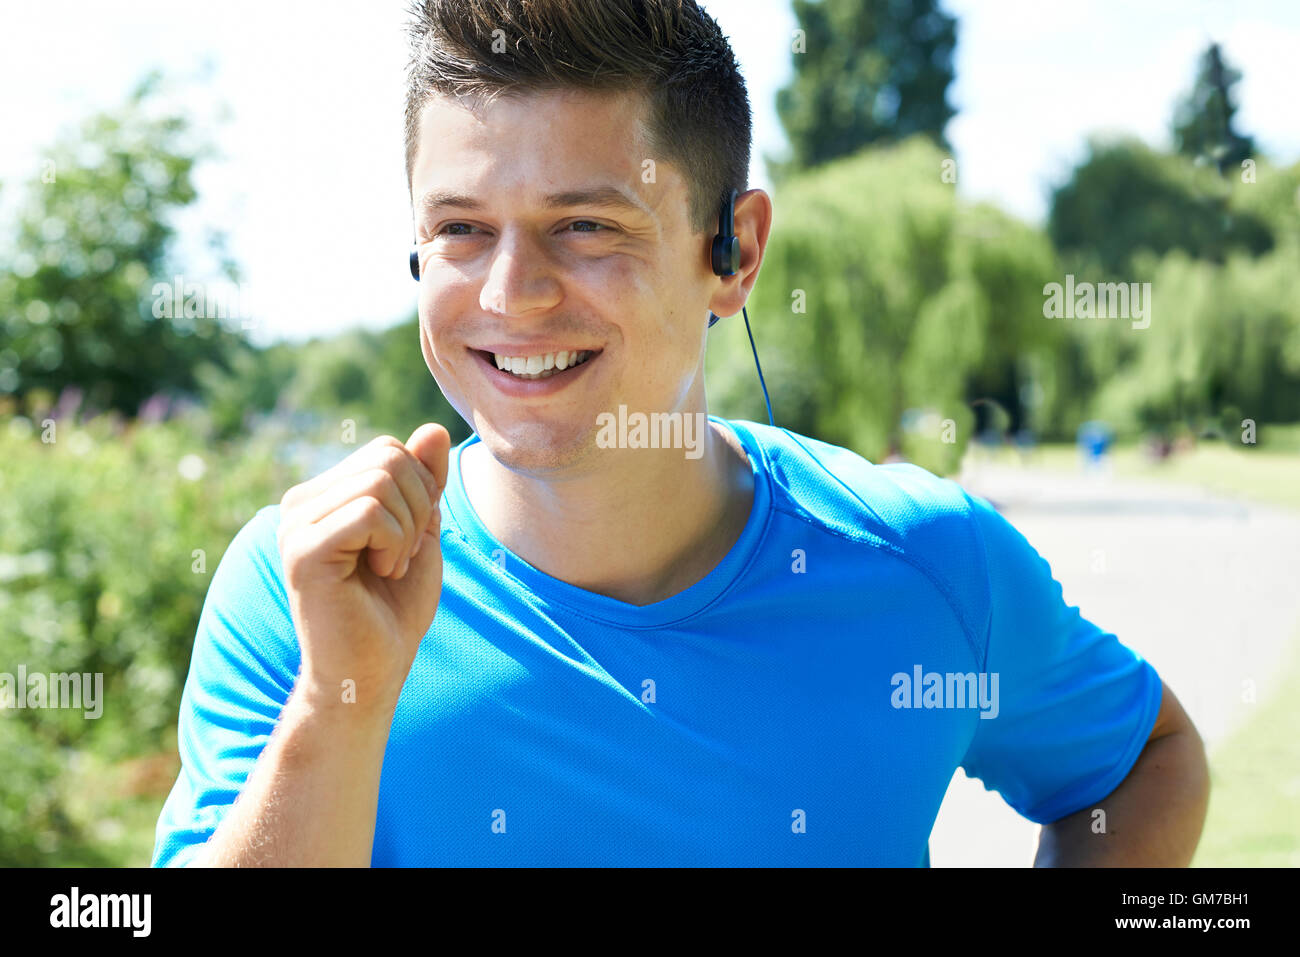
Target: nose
column 520, row 277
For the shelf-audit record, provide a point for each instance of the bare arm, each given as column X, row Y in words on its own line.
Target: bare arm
column 1154, row 818
column 313, row 795
column 363, row 575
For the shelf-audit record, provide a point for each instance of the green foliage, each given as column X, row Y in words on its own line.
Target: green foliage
column 1224, row 343
column 1224, row 338
column 913, row 301
column 1125, row 198
column 869, row 71
column 250, row 382
column 378, row 379
column 98, row 577
column 91, row 239
column 1203, row 118
column 1271, row 194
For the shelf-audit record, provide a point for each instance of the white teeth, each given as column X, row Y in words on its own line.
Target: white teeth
column 540, row 367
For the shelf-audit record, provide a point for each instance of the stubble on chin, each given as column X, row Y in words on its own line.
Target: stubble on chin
column 539, row 450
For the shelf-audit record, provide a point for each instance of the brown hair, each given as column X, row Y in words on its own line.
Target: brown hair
column 670, row 50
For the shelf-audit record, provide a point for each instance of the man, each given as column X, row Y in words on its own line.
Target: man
column 546, row 647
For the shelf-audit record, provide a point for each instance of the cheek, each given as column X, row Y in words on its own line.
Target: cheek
column 618, row 283
column 660, row 302
column 437, row 350
column 425, row 348
column 442, row 299
column 427, row 332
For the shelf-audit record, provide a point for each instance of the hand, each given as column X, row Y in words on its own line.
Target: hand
column 363, row 564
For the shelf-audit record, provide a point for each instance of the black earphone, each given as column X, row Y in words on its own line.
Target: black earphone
column 726, row 262
column 725, row 257
column 726, row 247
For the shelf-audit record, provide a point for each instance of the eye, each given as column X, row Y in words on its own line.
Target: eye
column 443, row 231
column 467, row 229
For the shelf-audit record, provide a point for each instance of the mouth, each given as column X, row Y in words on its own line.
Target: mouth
column 540, row 366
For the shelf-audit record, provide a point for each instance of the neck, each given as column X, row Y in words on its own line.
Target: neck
column 640, row 526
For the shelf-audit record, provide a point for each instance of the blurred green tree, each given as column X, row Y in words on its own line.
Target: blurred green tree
column 1203, row 119
column 1126, row 197
column 91, row 242
column 1224, row 343
column 888, row 309
column 378, row 379
column 866, row 71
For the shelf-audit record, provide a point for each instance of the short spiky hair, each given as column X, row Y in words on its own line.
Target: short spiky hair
column 671, row 50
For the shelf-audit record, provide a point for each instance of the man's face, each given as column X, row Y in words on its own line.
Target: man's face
column 511, row 266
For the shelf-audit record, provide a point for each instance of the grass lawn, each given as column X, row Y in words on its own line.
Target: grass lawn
column 1268, row 473
column 1254, row 817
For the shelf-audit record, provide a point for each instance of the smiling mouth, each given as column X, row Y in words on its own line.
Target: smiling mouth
column 541, row 366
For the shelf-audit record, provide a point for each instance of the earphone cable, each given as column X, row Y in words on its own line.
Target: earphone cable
column 771, row 420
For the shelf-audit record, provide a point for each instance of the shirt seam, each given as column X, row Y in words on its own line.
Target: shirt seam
column 873, row 541
column 935, row 579
column 473, row 550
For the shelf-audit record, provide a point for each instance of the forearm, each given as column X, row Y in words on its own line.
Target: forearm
column 312, row 797
column 1153, row 819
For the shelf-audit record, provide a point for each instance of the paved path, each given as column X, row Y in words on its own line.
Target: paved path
column 1204, row 587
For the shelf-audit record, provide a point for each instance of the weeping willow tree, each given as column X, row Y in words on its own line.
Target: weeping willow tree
column 886, row 308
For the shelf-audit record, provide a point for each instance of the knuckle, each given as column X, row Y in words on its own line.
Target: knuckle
column 392, row 493
column 372, row 510
column 422, row 511
column 416, row 464
column 392, row 458
column 294, row 558
column 380, row 482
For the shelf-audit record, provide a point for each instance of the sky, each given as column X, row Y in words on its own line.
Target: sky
column 304, row 101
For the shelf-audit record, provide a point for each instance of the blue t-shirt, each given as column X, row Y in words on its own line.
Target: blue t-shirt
column 806, row 703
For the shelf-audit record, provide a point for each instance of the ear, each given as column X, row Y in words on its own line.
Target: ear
column 753, row 224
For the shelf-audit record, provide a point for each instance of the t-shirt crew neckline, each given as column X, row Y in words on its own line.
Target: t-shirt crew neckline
column 680, row 606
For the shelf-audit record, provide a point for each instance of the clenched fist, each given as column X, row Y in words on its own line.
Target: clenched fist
column 363, row 565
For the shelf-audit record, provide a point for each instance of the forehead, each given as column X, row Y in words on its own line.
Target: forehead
column 538, row 143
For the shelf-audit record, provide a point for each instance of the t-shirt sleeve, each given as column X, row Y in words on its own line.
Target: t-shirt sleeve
column 1075, row 706
column 242, row 669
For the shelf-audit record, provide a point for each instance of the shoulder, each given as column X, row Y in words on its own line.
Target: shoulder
column 930, row 522
column 247, row 603
column 901, row 504
column 255, row 548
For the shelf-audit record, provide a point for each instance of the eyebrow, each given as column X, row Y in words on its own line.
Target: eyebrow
column 609, row 197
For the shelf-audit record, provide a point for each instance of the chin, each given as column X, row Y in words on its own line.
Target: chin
column 537, row 447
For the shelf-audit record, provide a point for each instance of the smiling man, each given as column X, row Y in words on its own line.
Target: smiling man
column 541, row 647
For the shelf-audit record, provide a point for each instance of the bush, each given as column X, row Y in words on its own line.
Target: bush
column 108, row 539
